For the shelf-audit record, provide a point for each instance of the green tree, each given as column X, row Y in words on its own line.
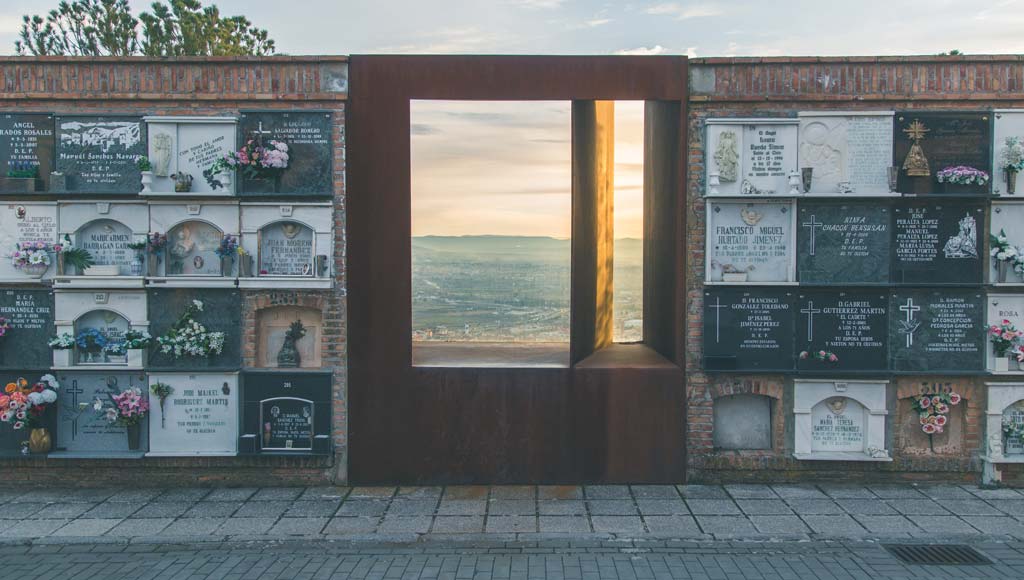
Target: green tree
column 108, row 28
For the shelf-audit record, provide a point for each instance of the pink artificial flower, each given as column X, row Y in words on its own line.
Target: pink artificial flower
column 19, row 425
column 940, row 420
column 925, row 402
column 936, row 400
column 929, row 429
column 833, row 358
column 954, row 399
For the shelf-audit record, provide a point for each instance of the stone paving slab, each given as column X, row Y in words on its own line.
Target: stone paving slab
column 744, row 512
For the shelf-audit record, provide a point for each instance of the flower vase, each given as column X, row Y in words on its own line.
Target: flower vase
column 225, row 178
column 35, row 270
column 147, row 181
column 245, row 266
column 61, row 266
column 134, row 437
column 262, row 184
column 39, row 441
column 227, row 264
column 153, row 266
column 1011, row 182
column 1002, row 269
column 1002, row 364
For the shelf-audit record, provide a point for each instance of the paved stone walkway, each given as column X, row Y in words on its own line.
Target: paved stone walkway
column 790, row 512
column 491, row 560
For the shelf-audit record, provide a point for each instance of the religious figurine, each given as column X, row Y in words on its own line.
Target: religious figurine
column 290, row 229
column 161, row 158
column 876, row 453
column 750, row 216
column 183, row 242
column 806, row 175
column 845, row 187
column 916, row 164
column 995, row 445
column 288, row 356
column 837, row 405
column 727, row 157
column 747, row 188
column 965, row 243
column 794, row 183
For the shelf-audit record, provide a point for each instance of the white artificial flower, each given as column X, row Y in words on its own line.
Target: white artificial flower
column 50, row 380
column 49, row 396
column 198, row 304
column 97, row 405
column 35, row 399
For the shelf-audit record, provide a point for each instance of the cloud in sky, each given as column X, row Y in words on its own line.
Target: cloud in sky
column 685, row 11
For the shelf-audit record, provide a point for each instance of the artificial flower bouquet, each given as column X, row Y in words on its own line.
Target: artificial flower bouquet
column 1011, row 156
column 137, row 340
column 5, row 326
column 124, row 409
column 933, row 410
column 962, row 175
column 30, row 256
column 1004, row 338
column 188, row 337
column 62, row 342
column 22, row 405
column 254, row 160
column 228, row 247
column 820, row 355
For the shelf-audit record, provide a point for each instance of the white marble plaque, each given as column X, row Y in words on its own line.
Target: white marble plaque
column 750, row 242
column 750, row 156
column 107, row 240
column 851, row 148
column 287, row 248
column 1003, row 307
column 743, row 422
column 199, row 418
column 1014, row 415
column 81, row 430
column 25, row 222
column 837, row 425
column 190, row 145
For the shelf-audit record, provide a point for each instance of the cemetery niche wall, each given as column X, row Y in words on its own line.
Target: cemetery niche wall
column 111, row 231
column 184, row 154
column 289, row 337
column 1003, row 428
column 1007, row 224
column 98, row 154
column 202, row 242
column 26, row 222
column 27, row 151
column 286, row 413
column 286, row 245
column 95, row 324
column 304, row 153
column 750, row 157
column 193, row 414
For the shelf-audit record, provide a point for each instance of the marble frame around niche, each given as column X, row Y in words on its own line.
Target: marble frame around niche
column 165, row 216
column 871, row 395
column 318, row 217
column 74, row 216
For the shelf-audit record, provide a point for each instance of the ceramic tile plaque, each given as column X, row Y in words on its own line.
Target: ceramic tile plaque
column 98, row 154
column 200, row 416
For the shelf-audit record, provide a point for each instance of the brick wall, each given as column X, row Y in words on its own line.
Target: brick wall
column 191, row 86
column 780, row 87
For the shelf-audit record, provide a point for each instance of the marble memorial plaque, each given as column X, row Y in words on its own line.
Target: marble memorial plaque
column 83, row 431
column 26, row 144
column 107, row 240
column 98, row 154
column 25, row 222
column 192, row 249
column 199, row 418
column 843, row 244
column 850, row 148
column 748, row 329
column 1007, row 218
column 222, row 312
column 1013, row 415
column 286, row 248
column 837, row 426
column 310, row 152
column 940, row 330
column 287, row 412
column 854, row 326
column 950, row 140
column 938, row 242
column 190, row 145
column 751, row 156
column 29, row 315
column 743, row 422
column 750, row 242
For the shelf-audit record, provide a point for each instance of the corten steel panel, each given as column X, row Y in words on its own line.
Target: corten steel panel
column 514, row 425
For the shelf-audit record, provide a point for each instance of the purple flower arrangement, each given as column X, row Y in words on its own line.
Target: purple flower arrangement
column 962, row 175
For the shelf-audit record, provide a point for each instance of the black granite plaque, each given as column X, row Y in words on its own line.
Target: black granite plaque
column 951, row 139
column 10, row 439
column 26, row 152
column 29, row 315
column 286, row 412
column 221, row 313
column 310, row 152
column 749, row 330
column 937, row 331
column 842, row 331
column 844, row 243
column 98, row 154
column 938, row 242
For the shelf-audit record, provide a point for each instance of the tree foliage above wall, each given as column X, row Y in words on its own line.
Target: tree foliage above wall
column 108, row 28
